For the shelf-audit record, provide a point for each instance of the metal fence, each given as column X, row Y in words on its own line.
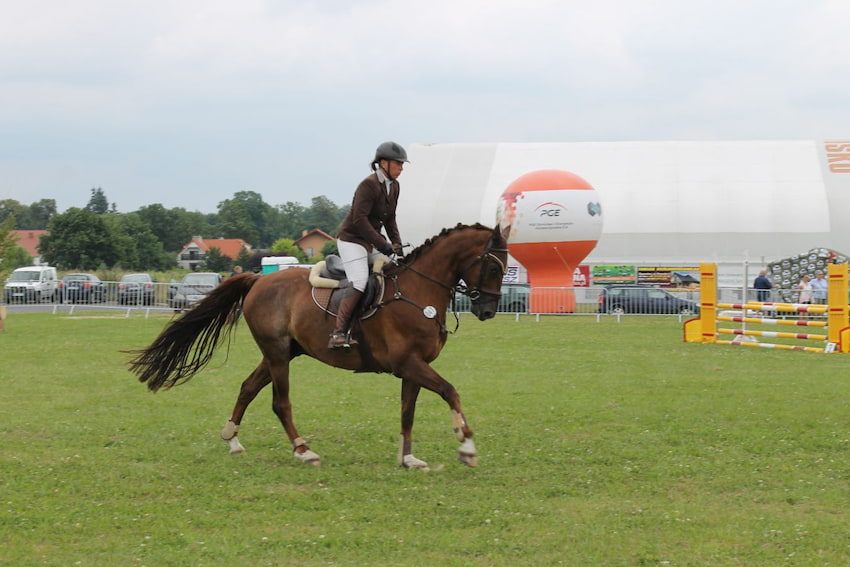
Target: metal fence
column 516, row 299
column 110, row 295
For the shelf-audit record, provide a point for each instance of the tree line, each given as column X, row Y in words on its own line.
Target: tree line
column 98, row 235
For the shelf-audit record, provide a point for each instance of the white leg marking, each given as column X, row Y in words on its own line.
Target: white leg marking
column 229, row 435
column 235, row 446
column 308, row 457
column 468, row 454
column 411, row 462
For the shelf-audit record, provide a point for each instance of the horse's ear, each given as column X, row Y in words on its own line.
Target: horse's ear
column 502, row 231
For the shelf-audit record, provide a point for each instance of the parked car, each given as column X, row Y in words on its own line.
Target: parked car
column 135, row 289
column 514, row 299
column 82, row 288
column 32, row 283
column 640, row 299
column 192, row 289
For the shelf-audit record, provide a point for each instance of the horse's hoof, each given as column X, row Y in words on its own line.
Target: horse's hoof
column 411, row 462
column 235, row 446
column 469, row 460
column 308, row 457
column 467, row 453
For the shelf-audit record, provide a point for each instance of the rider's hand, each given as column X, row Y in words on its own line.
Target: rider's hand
column 397, row 248
column 386, row 249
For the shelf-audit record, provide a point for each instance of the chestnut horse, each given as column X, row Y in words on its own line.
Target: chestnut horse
column 406, row 333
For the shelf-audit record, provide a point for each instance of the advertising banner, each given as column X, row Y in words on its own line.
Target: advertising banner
column 668, row 276
column 613, row 274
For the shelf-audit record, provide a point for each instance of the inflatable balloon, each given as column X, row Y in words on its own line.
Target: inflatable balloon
column 554, row 219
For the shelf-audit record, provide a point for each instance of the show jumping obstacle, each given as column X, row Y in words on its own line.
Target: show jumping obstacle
column 704, row 329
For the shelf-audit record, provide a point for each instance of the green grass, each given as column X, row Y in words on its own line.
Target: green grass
column 600, row 444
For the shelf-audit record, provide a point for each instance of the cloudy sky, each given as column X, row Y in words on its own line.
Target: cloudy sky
column 186, row 102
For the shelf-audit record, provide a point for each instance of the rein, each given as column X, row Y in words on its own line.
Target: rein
column 474, row 294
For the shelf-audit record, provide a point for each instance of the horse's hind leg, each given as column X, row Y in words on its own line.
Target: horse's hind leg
column 283, row 409
column 252, row 385
column 409, row 394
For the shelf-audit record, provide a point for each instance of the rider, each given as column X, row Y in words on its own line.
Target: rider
column 360, row 239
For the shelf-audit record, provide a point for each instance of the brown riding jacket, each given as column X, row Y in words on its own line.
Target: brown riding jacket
column 371, row 209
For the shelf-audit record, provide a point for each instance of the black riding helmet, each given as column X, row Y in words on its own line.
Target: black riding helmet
column 391, row 151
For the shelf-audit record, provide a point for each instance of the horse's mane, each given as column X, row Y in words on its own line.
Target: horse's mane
column 411, row 257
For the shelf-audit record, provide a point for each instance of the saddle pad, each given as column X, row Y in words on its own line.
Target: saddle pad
column 326, row 300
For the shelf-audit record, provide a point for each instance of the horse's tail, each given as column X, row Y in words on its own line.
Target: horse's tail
column 187, row 344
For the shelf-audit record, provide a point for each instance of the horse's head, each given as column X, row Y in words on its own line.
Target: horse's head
column 483, row 276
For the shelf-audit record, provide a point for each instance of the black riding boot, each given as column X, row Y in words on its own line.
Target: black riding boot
column 340, row 337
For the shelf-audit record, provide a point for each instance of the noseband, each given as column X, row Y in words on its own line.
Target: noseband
column 475, row 293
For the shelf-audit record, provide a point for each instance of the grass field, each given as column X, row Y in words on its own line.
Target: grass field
column 600, row 444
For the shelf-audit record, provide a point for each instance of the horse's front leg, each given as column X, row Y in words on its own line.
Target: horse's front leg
column 252, row 385
column 421, row 374
column 409, row 394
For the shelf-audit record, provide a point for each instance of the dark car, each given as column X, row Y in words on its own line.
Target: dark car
column 192, row 289
column 638, row 299
column 514, row 299
column 135, row 289
column 82, row 288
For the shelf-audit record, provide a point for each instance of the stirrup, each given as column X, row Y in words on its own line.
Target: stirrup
column 342, row 340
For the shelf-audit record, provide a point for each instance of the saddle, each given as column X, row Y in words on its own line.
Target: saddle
column 330, row 286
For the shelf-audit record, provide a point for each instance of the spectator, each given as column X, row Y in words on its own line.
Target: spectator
column 236, row 271
column 805, row 289
column 763, row 286
column 819, row 288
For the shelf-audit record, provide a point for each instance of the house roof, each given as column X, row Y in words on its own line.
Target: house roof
column 314, row 232
column 227, row 246
column 28, row 240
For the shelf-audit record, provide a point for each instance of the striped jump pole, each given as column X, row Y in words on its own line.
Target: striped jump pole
column 782, row 307
column 769, row 345
column 772, row 334
column 769, row 321
column 704, row 328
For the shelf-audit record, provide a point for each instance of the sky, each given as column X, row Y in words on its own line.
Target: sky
column 185, row 103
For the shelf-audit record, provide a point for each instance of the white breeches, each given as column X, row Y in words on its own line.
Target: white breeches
column 355, row 260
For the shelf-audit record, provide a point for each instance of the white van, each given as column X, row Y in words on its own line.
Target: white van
column 32, row 283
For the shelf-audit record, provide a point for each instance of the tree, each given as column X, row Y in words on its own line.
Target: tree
column 79, row 239
column 12, row 208
column 215, row 261
column 329, row 248
column 243, row 258
column 8, row 242
column 323, row 214
column 258, row 211
column 234, row 221
column 286, row 221
column 139, row 248
column 287, row 247
column 246, row 216
column 98, row 203
column 40, row 214
column 16, row 257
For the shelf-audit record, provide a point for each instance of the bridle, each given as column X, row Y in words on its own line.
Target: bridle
column 474, row 294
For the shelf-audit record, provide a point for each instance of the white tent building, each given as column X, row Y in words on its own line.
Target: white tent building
column 663, row 203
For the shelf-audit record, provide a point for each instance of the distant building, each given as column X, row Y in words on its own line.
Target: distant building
column 194, row 253
column 312, row 241
column 28, row 240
